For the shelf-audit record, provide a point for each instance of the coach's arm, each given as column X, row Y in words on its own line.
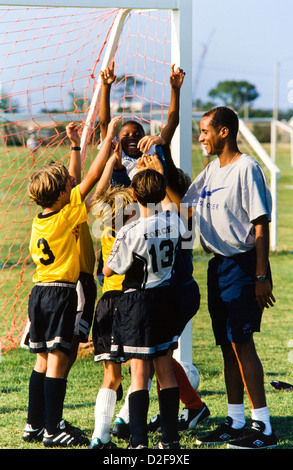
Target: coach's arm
column 263, row 290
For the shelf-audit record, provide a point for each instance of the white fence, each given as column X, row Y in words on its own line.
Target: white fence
column 284, row 126
column 275, row 175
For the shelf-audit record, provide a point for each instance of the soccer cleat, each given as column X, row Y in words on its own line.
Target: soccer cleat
column 120, row 429
column 32, row 435
column 140, row 446
column 155, row 424
column 64, row 437
column 282, row 385
column 190, row 418
column 167, row 445
column 73, row 429
column 254, row 438
column 222, row 434
column 96, row 443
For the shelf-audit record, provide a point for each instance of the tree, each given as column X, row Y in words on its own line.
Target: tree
column 7, row 103
column 78, row 102
column 234, row 94
column 125, row 86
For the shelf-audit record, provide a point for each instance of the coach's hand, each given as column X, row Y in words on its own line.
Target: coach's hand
column 264, row 295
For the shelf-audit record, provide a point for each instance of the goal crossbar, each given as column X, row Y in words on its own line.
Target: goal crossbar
column 133, row 4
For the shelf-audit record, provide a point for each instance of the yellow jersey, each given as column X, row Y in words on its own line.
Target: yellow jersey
column 86, row 250
column 53, row 246
column 107, row 240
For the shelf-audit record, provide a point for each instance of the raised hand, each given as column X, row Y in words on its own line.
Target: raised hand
column 73, row 133
column 108, row 76
column 148, row 141
column 176, row 77
column 111, row 132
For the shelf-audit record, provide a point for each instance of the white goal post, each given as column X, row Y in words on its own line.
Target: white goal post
column 181, row 55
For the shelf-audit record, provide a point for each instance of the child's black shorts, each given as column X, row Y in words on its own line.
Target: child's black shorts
column 189, row 302
column 52, row 311
column 145, row 324
column 102, row 325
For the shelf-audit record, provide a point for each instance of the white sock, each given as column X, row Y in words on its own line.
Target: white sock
column 236, row 412
column 262, row 414
column 124, row 412
column 104, row 412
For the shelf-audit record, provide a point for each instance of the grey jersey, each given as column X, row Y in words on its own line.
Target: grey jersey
column 145, row 249
column 227, row 200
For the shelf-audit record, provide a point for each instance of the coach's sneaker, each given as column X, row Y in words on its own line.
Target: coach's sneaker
column 32, row 435
column 167, row 445
column 190, row 418
column 64, row 437
column 96, row 443
column 254, row 438
column 155, row 424
column 282, row 385
column 222, row 434
column 120, row 429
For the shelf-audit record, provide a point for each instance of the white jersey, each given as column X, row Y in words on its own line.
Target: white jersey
column 128, row 162
column 227, row 200
column 145, row 249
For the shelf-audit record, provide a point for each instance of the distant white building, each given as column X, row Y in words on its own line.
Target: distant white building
column 127, row 106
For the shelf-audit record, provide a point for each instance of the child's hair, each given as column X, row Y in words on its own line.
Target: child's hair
column 134, row 123
column 46, row 184
column 182, row 183
column 109, row 205
column 149, row 186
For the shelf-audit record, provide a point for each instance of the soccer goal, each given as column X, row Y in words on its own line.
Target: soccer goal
column 52, row 53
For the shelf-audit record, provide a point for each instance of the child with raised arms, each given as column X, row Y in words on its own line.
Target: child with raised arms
column 144, row 326
column 131, row 131
column 52, row 302
column 109, row 206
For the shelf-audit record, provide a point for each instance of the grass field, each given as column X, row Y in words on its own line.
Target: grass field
column 274, row 345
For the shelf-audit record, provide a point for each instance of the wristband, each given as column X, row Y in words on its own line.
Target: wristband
column 75, row 148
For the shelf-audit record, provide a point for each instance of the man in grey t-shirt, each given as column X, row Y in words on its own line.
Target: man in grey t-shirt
column 233, row 208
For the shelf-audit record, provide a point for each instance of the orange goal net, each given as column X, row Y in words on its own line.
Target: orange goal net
column 50, row 62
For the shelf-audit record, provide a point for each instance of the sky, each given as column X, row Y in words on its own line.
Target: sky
column 244, row 39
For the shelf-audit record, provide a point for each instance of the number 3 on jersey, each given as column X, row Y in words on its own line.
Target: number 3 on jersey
column 168, row 247
column 50, row 258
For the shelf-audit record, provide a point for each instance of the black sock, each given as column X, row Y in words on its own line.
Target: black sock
column 169, row 407
column 36, row 402
column 138, row 411
column 55, row 390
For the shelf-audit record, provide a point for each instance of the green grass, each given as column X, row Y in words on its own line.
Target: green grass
column 272, row 344
column 86, row 377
